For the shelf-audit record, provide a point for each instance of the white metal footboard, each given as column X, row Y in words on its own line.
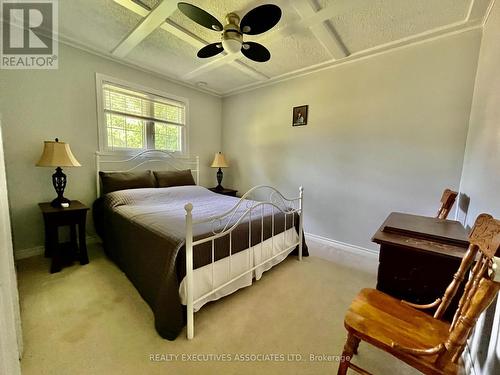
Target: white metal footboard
column 224, row 224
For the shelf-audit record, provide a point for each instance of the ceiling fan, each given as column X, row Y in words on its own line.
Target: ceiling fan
column 256, row 21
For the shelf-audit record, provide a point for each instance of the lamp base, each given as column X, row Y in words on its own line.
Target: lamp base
column 59, row 183
column 57, row 203
column 219, row 179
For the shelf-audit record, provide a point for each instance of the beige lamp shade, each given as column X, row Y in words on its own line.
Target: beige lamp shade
column 219, row 161
column 57, row 154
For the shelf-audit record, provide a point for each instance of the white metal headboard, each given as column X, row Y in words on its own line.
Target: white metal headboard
column 143, row 158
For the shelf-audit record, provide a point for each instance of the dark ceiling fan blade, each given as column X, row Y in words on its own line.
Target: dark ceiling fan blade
column 260, row 19
column 255, row 51
column 199, row 16
column 145, row 6
column 210, row 50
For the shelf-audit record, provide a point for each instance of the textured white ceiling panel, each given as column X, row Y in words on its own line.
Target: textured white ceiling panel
column 164, row 53
column 291, row 53
column 367, row 24
column 357, row 24
column 100, row 24
column 225, row 78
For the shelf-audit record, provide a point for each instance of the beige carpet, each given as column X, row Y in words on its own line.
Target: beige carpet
column 91, row 320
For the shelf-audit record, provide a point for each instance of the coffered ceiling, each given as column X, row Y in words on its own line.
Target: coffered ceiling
column 312, row 34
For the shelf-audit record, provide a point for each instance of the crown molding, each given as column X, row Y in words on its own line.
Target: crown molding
column 426, row 37
column 423, row 38
column 488, row 12
column 108, row 56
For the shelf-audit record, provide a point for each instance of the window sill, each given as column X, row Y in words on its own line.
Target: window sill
column 131, row 153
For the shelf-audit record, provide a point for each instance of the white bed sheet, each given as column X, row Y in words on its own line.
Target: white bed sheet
column 225, row 269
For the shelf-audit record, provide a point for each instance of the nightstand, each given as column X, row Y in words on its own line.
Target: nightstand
column 224, row 191
column 72, row 216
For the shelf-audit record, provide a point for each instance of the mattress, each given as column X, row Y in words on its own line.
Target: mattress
column 216, row 274
column 143, row 232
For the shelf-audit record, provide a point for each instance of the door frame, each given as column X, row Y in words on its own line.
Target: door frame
column 10, row 319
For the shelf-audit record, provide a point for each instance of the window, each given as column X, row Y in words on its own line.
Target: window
column 135, row 119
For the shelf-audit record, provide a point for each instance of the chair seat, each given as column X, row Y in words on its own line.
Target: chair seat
column 380, row 319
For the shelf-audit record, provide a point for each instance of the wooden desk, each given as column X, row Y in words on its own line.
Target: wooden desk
column 419, row 256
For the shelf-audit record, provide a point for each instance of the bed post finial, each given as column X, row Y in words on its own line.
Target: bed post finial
column 301, row 220
column 189, row 270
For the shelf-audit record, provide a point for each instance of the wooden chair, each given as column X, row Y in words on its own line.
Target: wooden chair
column 447, row 201
column 425, row 342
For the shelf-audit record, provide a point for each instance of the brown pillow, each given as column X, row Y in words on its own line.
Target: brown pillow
column 113, row 181
column 174, row 178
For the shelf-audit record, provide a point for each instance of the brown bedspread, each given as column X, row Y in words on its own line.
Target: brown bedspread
column 143, row 232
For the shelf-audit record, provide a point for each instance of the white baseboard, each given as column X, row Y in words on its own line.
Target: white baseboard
column 28, row 253
column 342, row 253
column 38, row 250
column 358, row 250
column 332, row 244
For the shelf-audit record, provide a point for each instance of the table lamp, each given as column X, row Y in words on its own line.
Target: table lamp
column 58, row 154
column 219, row 162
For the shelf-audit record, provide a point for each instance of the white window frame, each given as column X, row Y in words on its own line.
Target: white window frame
column 101, row 80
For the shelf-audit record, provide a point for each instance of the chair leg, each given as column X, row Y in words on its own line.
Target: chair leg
column 356, row 345
column 350, row 348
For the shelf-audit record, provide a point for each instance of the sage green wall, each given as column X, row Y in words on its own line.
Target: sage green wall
column 380, row 130
column 386, row 133
column 42, row 105
column 481, row 177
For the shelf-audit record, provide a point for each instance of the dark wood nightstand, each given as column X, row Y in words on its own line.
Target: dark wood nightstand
column 224, row 191
column 72, row 216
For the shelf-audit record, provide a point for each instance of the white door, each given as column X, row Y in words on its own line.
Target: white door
column 10, row 320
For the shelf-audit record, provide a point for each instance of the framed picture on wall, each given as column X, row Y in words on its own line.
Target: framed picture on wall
column 300, row 115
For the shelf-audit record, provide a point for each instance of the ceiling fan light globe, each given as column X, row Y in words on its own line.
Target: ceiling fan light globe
column 231, row 45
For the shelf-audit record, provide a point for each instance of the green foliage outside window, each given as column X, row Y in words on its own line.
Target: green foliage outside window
column 139, row 121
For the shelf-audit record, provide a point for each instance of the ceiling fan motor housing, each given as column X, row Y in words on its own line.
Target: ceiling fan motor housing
column 232, row 38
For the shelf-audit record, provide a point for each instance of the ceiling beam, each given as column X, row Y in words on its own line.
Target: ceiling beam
column 277, row 33
column 248, row 70
column 183, row 34
column 214, row 64
column 187, row 36
column 168, row 26
column 150, row 23
column 325, row 33
column 478, row 10
column 340, row 6
column 134, row 7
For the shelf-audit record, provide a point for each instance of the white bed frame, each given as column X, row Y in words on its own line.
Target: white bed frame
column 163, row 158
column 222, row 225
